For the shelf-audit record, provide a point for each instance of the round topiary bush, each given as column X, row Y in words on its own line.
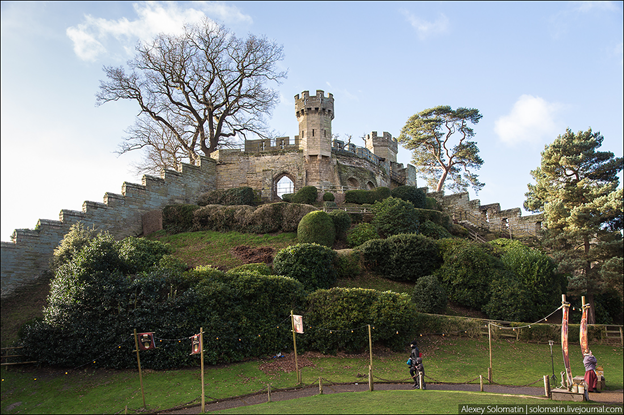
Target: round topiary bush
column 342, row 223
column 394, row 216
column 328, row 197
column 311, row 264
column 433, row 230
column 361, row 233
column 429, row 296
column 411, row 194
column 316, row 227
column 306, row 195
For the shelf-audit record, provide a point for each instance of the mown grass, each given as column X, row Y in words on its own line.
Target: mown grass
column 385, row 402
column 449, row 360
column 214, row 248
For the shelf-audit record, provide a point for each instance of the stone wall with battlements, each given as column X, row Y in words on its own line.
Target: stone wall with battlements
column 461, row 208
column 26, row 257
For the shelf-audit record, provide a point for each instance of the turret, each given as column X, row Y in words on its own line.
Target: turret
column 315, row 114
column 385, row 146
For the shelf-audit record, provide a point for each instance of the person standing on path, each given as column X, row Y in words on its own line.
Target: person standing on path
column 589, row 361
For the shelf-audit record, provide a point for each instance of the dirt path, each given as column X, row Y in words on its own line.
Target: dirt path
column 283, row 395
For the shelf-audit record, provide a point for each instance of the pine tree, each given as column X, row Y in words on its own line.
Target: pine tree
column 577, row 189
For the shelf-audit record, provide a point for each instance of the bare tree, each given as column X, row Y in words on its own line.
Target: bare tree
column 203, row 88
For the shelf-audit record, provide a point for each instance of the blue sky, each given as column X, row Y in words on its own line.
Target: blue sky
column 531, row 68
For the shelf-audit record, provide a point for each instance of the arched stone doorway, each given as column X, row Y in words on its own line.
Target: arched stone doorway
column 283, row 183
column 370, row 185
column 353, row 183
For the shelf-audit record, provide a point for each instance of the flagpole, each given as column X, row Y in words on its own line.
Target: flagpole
column 201, row 344
column 292, row 322
column 136, row 344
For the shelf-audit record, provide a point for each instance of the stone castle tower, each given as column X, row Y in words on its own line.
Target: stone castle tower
column 385, row 146
column 315, row 115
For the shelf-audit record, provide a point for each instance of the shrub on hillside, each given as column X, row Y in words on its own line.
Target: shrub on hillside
column 334, row 313
column 261, row 268
column 306, row 195
column 537, row 276
column 287, row 197
column 178, row 218
column 433, row 230
column 223, row 218
column 347, row 264
column 311, row 264
column 434, row 216
column 236, row 196
column 429, row 296
column 328, row 197
column 394, row 216
column 342, row 223
column 404, row 257
column 367, row 196
column 411, row 194
column 509, row 299
column 466, row 273
column 361, row 233
column 78, row 236
column 316, row 227
column 95, row 302
column 432, row 204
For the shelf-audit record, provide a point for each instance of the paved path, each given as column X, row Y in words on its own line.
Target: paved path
column 282, row 395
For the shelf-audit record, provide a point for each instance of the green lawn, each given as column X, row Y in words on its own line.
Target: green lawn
column 451, row 360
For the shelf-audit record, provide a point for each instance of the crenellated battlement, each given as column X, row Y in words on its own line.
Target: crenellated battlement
column 384, row 146
column 317, row 104
column 28, row 254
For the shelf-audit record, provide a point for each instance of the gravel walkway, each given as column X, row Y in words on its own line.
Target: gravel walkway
column 282, row 395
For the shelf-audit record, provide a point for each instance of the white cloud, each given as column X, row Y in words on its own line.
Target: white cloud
column 531, row 120
column 153, row 18
column 426, row 28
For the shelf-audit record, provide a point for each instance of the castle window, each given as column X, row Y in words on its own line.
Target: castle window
column 313, row 132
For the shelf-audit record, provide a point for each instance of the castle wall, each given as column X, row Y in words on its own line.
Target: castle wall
column 27, row 257
column 460, row 207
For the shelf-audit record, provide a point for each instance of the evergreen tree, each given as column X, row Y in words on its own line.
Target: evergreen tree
column 576, row 188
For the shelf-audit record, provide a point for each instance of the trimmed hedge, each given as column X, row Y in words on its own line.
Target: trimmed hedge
column 435, row 216
column 312, row 264
column 178, row 218
column 404, row 257
column 328, row 197
column 394, row 216
column 235, row 196
column 367, row 196
column 411, row 194
column 342, row 223
column 429, row 296
column 361, row 233
column 109, row 288
column 332, row 314
column 268, row 218
column 306, row 195
column 316, row 227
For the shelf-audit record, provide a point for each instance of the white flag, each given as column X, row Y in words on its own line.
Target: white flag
column 298, row 322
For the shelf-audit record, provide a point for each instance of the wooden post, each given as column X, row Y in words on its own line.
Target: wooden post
column 268, row 394
column 490, row 341
column 292, row 322
column 320, row 385
column 421, row 380
column 136, row 345
column 371, row 386
column 481, row 383
column 621, row 337
column 201, row 344
column 547, row 386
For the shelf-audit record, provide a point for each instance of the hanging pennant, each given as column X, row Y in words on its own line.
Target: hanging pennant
column 196, row 346
column 583, row 330
column 146, row 341
column 298, row 323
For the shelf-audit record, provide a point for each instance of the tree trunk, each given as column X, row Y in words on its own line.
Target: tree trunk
column 441, row 182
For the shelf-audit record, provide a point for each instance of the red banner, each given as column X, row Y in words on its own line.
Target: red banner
column 564, row 342
column 146, row 341
column 583, row 331
column 196, row 346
